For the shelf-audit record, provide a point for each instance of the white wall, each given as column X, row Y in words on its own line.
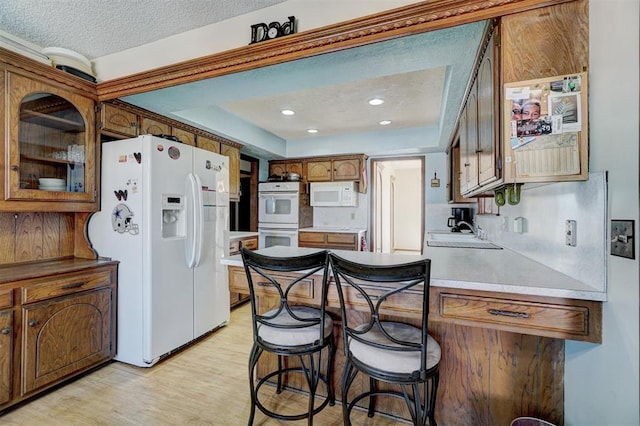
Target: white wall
column 602, row 381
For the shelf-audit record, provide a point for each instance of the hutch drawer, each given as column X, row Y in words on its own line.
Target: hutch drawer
column 64, row 285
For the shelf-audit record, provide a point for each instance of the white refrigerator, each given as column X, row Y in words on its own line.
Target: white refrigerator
column 165, row 216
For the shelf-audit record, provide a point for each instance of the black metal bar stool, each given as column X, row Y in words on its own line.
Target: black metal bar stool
column 387, row 351
column 288, row 330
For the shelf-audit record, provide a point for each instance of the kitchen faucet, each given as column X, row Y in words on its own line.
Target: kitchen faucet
column 477, row 230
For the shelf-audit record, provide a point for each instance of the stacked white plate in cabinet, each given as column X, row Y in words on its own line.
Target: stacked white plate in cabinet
column 52, row 184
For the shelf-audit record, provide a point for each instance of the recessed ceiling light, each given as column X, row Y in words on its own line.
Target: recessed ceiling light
column 312, row 130
column 385, row 122
column 376, row 101
column 287, row 112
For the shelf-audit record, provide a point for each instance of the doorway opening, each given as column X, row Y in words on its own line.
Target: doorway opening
column 243, row 214
column 397, row 204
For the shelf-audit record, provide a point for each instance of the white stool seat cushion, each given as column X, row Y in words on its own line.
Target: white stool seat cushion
column 389, row 360
column 294, row 336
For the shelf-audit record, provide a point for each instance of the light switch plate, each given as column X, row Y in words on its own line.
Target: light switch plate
column 570, row 232
column 623, row 238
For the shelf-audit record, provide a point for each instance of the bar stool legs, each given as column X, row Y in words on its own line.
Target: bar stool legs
column 310, row 369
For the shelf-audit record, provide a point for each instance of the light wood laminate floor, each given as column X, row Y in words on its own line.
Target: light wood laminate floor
column 204, row 384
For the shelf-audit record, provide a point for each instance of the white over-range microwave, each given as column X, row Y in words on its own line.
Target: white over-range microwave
column 333, row 194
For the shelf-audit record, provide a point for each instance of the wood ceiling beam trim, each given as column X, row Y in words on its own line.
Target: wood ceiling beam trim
column 408, row 20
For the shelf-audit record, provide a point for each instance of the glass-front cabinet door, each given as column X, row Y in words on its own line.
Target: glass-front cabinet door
column 51, row 143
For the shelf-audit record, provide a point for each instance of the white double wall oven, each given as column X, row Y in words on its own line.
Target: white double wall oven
column 280, row 213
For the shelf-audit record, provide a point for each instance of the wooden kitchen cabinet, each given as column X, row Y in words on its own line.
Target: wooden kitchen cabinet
column 118, row 120
column 563, row 51
column 469, row 142
column 324, row 169
column 280, row 168
column 50, row 134
column 511, row 58
column 329, row 240
column 149, row 126
column 63, row 323
column 488, row 115
column 335, row 169
column 66, row 335
column 208, row 144
column 184, row 136
column 234, row 170
column 6, row 344
column 250, row 243
column 478, row 143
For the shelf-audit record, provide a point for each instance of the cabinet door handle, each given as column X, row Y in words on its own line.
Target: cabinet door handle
column 371, row 296
column 33, row 323
column 502, row 313
column 6, row 330
column 74, row 285
column 15, row 168
column 478, row 151
column 264, row 284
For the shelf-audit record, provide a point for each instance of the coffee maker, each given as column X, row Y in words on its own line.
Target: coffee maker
column 460, row 219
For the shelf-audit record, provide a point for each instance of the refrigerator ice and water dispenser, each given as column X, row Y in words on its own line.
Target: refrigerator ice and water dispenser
column 173, row 220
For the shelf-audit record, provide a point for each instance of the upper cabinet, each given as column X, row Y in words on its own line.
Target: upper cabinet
column 487, row 115
column 349, row 167
column 285, row 167
column 334, row 169
column 477, row 141
column 497, row 147
column 545, row 66
column 50, row 147
column 208, row 144
column 119, row 121
column 234, row 170
column 184, row 136
column 149, row 126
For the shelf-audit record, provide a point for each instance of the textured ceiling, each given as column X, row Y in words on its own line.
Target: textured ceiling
column 412, row 99
column 96, row 28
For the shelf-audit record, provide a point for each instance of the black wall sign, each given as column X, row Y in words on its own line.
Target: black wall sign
column 261, row 32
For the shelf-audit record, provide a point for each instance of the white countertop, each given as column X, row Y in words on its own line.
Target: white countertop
column 336, row 229
column 501, row 271
column 238, row 235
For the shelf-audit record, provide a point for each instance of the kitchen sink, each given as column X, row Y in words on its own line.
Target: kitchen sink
column 458, row 240
column 450, row 236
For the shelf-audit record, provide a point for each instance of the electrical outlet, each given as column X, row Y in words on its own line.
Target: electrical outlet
column 622, row 238
column 570, row 233
column 504, row 226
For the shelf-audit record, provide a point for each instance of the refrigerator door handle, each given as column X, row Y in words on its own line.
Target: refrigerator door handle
column 195, row 239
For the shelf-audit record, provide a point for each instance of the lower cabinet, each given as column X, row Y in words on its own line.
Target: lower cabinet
column 329, row 240
column 250, row 243
column 61, row 324
column 6, row 348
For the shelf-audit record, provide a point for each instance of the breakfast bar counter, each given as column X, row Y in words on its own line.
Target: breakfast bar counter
column 501, row 319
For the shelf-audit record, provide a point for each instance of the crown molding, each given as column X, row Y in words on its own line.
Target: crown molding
column 413, row 19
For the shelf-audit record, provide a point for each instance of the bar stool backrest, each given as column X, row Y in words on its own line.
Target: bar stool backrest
column 378, row 286
column 268, row 271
